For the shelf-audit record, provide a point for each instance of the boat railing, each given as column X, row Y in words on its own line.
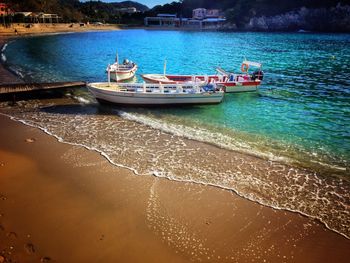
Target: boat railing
column 161, row 88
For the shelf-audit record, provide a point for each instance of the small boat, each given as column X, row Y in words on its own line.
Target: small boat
column 243, row 82
column 173, row 79
column 120, row 72
column 155, row 94
column 230, row 82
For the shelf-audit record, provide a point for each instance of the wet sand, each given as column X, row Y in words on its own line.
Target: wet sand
column 63, row 203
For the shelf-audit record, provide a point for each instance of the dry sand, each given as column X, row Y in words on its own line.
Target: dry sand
column 63, row 203
column 22, row 29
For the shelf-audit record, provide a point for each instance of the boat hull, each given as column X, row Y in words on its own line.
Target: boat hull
column 155, row 98
column 229, row 86
column 172, row 79
column 121, row 75
column 240, row 87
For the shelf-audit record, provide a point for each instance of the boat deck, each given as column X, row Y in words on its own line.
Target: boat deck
column 147, row 87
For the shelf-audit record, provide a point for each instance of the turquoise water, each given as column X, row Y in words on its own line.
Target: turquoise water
column 300, row 114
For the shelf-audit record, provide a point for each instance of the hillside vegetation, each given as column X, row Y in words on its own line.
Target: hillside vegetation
column 76, row 11
column 272, row 15
column 253, row 15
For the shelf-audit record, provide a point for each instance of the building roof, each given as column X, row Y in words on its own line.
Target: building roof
column 166, row 15
column 24, row 13
column 214, row 20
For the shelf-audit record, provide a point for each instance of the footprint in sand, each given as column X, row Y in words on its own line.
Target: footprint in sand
column 45, row 259
column 2, row 228
column 12, row 235
column 2, row 197
column 29, row 248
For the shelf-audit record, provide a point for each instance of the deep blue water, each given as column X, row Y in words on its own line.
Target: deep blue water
column 301, row 112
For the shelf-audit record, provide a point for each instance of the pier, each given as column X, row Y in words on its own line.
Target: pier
column 15, row 88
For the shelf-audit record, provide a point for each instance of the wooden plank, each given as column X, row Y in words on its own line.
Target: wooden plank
column 26, row 87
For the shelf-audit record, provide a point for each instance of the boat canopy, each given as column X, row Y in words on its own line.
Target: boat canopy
column 251, row 63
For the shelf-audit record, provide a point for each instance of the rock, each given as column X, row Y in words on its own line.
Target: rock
column 30, row 140
column 2, row 259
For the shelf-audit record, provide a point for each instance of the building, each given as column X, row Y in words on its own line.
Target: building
column 199, row 13
column 213, row 13
column 31, row 17
column 4, row 9
column 47, row 18
column 201, row 19
column 202, row 13
column 162, row 20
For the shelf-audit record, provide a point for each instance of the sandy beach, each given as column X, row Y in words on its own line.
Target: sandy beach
column 64, row 203
column 68, row 204
column 23, row 29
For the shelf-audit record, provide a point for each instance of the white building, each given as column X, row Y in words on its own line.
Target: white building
column 201, row 19
column 162, row 20
column 202, row 13
column 199, row 13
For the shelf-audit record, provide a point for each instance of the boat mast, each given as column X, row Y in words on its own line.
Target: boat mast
column 164, row 69
column 109, row 74
column 117, row 60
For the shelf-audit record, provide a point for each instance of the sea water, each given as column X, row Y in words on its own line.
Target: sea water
column 293, row 134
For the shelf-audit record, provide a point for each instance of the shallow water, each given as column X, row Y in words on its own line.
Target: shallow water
column 300, row 118
column 301, row 113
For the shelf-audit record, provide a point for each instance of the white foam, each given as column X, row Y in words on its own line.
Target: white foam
column 161, row 174
column 17, row 71
column 4, row 47
column 3, row 58
column 203, row 135
column 82, row 100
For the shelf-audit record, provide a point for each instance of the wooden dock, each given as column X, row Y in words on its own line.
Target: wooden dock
column 27, row 87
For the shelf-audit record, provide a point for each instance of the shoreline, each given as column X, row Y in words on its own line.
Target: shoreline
column 223, row 219
column 6, row 75
column 8, row 34
column 248, row 197
column 37, row 29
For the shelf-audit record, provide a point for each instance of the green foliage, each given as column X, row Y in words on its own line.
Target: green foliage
column 76, row 11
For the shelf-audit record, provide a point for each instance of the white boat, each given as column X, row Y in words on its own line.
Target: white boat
column 155, row 94
column 120, row 72
column 230, row 82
